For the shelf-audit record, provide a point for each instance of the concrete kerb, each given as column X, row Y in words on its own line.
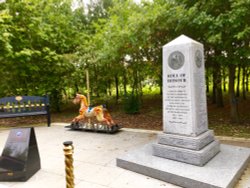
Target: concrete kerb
column 228, row 138
column 221, row 138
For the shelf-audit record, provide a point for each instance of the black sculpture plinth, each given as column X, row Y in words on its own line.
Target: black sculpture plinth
column 94, row 128
column 20, row 157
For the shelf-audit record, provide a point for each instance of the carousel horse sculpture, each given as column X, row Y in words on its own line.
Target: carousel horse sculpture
column 100, row 112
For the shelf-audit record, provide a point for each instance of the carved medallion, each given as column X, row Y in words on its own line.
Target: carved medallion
column 198, row 58
column 176, row 60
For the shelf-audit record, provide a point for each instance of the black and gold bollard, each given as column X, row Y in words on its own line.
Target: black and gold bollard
column 68, row 152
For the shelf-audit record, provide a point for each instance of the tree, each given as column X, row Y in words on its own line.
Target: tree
column 38, row 37
column 224, row 29
column 120, row 42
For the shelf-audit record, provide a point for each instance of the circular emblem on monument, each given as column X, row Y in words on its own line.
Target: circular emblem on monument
column 198, row 58
column 19, row 133
column 176, row 60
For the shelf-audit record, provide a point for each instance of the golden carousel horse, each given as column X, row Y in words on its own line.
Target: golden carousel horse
column 101, row 113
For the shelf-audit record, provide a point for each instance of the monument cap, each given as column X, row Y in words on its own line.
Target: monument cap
column 182, row 39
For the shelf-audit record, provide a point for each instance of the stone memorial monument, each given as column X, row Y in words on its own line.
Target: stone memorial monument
column 186, row 153
column 186, row 136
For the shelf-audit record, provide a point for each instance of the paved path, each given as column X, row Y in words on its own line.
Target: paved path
column 94, row 159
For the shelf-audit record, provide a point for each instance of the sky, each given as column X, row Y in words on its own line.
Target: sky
column 75, row 2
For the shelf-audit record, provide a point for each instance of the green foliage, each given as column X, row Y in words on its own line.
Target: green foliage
column 131, row 104
column 46, row 46
column 35, row 36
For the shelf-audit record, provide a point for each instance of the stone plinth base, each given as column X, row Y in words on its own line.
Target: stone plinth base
column 188, row 142
column 194, row 157
column 196, row 150
column 223, row 171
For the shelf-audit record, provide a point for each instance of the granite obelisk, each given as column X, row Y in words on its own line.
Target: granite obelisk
column 186, row 137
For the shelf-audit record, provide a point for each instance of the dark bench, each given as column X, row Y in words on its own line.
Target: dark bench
column 20, row 106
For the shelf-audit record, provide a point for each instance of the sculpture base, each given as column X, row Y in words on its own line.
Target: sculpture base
column 94, row 128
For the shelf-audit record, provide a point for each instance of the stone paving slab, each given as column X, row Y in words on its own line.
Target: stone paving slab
column 223, row 171
column 94, row 159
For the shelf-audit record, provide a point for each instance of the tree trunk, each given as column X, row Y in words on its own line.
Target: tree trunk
column 219, row 96
column 234, row 114
column 117, row 87
column 135, row 84
column 224, row 80
column 109, row 88
column 140, row 84
column 125, row 84
column 214, row 86
column 160, row 84
column 56, row 99
column 238, row 82
column 140, row 87
column 247, row 79
column 243, row 83
column 95, row 82
column 207, row 84
column 76, row 88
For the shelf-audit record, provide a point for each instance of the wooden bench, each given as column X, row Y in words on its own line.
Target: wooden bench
column 20, row 106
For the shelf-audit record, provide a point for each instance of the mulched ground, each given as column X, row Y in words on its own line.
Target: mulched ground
column 150, row 117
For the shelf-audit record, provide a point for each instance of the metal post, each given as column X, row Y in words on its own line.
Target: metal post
column 68, row 152
column 87, row 81
column 88, row 95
